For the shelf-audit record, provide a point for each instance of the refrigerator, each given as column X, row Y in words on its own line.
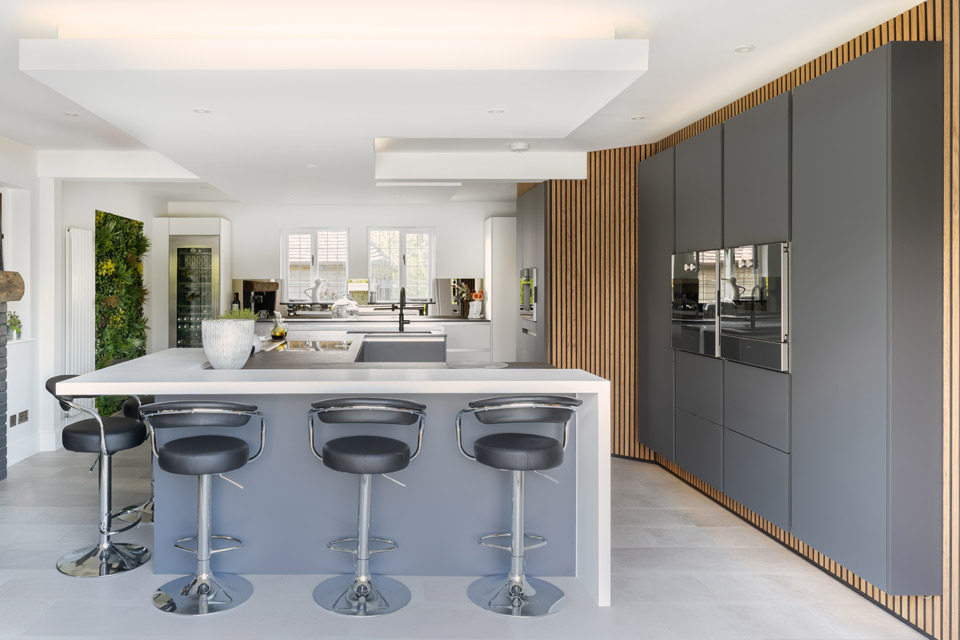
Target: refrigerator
column 194, row 287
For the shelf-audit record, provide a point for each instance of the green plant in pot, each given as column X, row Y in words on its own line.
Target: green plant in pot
column 228, row 340
column 14, row 325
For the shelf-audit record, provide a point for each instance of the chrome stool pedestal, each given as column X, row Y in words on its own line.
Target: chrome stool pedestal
column 139, row 513
column 517, row 594
column 364, row 594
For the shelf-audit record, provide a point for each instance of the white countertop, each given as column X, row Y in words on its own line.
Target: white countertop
column 181, row 371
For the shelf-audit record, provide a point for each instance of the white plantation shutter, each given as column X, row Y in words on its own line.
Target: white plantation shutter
column 309, row 254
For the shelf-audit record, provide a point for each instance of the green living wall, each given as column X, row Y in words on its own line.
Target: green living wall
column 121, row 326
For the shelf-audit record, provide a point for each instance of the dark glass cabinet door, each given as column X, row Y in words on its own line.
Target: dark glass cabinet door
column 694, row 312
column 195, row 298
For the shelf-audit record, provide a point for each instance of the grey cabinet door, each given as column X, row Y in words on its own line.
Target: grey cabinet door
column 699, row 389
column 758, row 477
column 699, row 175
column 756, row 174
column 700, row 448
column 654, row 354
column 866, row 328
column 756, row 403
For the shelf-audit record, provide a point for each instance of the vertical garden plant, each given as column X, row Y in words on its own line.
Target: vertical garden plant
column 120, row 294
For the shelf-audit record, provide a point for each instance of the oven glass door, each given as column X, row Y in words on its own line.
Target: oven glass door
column 694, row 313
column 753, row 301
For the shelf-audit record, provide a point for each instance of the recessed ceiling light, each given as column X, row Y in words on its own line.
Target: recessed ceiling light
column 519, row 147
column 72, row 114
column 201, row 110
column 400, row 195
column 311, row 166
column 204, row 187
column 289, row 196
column 495, row 112
column 638, row 117
column 747, row 48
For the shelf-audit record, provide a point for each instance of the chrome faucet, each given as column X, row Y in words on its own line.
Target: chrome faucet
column 403, row 303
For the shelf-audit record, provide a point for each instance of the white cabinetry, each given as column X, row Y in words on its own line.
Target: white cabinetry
column 467, row 341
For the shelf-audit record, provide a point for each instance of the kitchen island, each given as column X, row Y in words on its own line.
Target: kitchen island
column 291, row 505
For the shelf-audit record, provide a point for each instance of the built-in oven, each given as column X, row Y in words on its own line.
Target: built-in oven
column 694, row 311
column 754, row 311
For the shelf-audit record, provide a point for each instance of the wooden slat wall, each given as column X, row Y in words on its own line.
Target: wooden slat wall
column 591, row 226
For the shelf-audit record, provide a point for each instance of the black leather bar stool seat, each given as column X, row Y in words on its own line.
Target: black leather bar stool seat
column 119, row 433
column 200, row 455
column 366, row 454
column 204, row 456
column 363, row 594
column 518, row 451
column 517, row 594
column 104, row 437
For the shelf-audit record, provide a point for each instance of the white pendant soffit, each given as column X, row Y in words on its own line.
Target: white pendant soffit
column 626, row 55
column 110, row 165
column 519, row 167
column 249, row 115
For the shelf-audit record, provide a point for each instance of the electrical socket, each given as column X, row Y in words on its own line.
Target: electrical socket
column 23, row 416
column 13, row 420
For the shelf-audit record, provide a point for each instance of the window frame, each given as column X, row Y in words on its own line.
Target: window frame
column 313, row 232
column 431, row 258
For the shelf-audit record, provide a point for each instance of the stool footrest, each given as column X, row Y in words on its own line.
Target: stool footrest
column 179, row 544
column 337, row 545
column 134, row 521
column 539, row 541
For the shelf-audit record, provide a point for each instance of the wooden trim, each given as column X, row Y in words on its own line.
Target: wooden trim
column 592, row 224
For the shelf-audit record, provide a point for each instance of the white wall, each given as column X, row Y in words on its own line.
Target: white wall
column 458, row 229
column 18, row 183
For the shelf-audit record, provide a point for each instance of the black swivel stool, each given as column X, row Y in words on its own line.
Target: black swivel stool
column 363, row 594
column 104, row 437
column 516, row 594
column 203, row 456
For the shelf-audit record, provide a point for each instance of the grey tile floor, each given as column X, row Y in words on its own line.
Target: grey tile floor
column 683, row 568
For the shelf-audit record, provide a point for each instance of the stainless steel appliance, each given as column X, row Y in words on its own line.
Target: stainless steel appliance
column 528, row 294
column 694, row 310
column 194, row 287
column 754, row 312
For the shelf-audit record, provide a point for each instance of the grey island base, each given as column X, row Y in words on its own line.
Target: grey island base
column 290, row 505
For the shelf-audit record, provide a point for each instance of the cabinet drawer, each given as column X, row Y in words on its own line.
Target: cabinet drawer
column 700, row 386
column 758, row 477
column 699, row 445
column 756, row 403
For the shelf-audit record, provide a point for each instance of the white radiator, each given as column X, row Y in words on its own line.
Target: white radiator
column 80, row 300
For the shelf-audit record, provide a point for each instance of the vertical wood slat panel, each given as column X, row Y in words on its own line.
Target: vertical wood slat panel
column 593, row 227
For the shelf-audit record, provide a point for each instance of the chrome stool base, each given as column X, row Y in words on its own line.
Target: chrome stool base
column 145, row 511
column 348, row 596
column 103, row 560
column 198, row 595
column 533, row 597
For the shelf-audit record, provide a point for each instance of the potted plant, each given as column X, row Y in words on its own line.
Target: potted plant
column 228, row 340
column 14, row 325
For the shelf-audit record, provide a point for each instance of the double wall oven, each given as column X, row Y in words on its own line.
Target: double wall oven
column 733, row 304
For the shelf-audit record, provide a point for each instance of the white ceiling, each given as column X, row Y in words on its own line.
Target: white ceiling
column 274, row 110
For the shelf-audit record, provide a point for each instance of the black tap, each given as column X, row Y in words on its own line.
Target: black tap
column 403, row 303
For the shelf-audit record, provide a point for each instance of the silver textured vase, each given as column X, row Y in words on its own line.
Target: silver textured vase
column 226, row 343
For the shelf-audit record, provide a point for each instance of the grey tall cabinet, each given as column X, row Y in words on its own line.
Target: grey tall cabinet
column 654, row 354
column 532, row 253
column 867, row 289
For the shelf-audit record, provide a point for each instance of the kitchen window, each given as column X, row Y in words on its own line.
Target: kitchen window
column 400, row 257
column 314, row 254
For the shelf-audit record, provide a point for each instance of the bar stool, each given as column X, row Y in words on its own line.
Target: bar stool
column 363, row 594
column 517, row 594
column 144, row 510
column 203, row 456
column 104, row 437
